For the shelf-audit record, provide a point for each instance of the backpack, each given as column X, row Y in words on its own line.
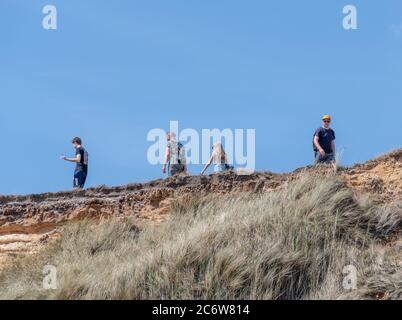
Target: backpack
column 181, row 153
column 86, row 156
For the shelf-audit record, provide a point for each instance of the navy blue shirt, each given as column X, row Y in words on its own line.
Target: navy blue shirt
column 325, row 138
column 83, row 164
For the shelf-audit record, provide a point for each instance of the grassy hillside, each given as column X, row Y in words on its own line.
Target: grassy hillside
column 289, row 244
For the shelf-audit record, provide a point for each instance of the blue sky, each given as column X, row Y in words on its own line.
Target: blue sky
column 116, row 69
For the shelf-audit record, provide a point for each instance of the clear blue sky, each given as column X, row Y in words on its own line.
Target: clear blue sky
column 116, row 69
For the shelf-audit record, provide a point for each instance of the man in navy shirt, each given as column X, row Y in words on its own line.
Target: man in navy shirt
column 81, row 160
column 324, row 142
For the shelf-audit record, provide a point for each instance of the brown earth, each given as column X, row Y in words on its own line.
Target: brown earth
column 28, row 222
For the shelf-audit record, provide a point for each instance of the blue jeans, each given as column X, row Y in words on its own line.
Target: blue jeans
column 327, row 159
column 221, row 168
column 80, row 176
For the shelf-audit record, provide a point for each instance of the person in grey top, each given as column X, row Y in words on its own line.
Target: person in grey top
column 175, row 158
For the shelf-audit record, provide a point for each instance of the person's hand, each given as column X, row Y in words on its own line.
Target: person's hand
column 322, row 152
column 63, row 157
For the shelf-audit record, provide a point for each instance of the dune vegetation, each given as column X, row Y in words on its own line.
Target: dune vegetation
column 303, row 241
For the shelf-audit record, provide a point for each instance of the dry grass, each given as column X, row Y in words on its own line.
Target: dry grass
column 289, row 244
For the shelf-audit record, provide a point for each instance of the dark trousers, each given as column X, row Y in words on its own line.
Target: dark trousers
column 80, row 176
column 175, row 169
column 327, row 159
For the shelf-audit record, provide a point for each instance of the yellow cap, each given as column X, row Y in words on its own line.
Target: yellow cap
column 326, row 117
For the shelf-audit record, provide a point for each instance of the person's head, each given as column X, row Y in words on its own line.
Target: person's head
column 77, row 142
column 326, row 120
column 170, row 136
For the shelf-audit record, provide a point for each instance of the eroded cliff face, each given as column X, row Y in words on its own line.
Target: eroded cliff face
column 28, row 222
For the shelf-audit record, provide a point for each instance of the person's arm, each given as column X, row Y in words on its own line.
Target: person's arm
column 167, row 157
column 318, row 146
column 207, row 165
column 77, row 159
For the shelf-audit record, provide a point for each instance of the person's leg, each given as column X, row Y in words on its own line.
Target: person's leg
column 174, row 170
column 317, row 157
column 79, row 179
column 76, row 179
column 330, row 158
column 220, row 168
column 83, row 179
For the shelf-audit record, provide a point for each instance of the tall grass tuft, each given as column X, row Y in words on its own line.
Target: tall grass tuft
column 290, row 244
